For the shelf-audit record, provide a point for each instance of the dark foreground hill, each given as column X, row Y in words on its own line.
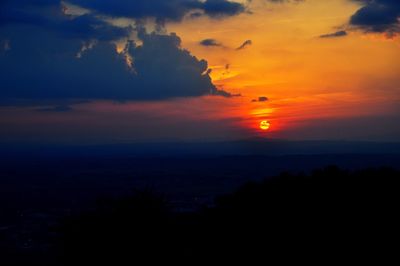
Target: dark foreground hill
column 328, row 216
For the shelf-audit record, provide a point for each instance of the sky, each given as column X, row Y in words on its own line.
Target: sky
column 125, row 71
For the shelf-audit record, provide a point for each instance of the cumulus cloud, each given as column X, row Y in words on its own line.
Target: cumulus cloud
column 380, row 16
column 245, row 44
column 48, row 54
column 337, row 34
column 48, row 68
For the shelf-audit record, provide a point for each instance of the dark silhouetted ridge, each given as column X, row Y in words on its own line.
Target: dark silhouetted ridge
column 331, row 215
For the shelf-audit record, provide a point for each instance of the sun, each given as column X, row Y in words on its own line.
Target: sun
column 265, row 125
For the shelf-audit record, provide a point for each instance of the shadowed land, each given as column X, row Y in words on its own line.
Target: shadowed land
column 331, row 213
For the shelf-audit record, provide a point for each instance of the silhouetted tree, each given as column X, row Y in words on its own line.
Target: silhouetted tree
column 329, row 215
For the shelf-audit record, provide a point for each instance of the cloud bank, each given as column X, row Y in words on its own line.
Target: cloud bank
column 48, row 54
column 162, row 10
column 48, row 69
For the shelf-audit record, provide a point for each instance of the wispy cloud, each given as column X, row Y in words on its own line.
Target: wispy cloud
column 244, row 45
column 337, row 34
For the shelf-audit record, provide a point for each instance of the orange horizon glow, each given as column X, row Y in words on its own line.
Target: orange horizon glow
column 288, row 76
column 305, row 77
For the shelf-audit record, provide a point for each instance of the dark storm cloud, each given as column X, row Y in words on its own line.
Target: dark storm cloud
column 25, row 12
column 28, row 3
column 337, row 34
column 377, row 16
column 48, row 68
column 89, row 26
column 210, row 42
column 48, row 15
column 218, row 8
column 159, row 9
column 245, row 44
column 47, row 55
column 162, row 9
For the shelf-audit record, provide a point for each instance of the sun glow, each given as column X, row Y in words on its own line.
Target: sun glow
column 265, row 125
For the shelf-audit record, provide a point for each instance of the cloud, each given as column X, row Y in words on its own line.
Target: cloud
column 47, row 54
column 219, row 8
column 285, row 1
column 89, row 26
column 28, row 13
column 49, row 15
column 43, row 65
column 261, row 99
column 337, row 34
column 379, row 16
column 162, row 10
column 245, row 44
column 210, row 42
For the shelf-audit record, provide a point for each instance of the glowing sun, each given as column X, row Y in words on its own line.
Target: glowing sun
column 265, row 125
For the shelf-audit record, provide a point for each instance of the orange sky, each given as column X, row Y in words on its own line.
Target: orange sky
column 313, row 84
column 305, row 77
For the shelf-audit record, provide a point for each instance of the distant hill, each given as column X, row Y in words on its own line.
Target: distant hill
column 265, row 147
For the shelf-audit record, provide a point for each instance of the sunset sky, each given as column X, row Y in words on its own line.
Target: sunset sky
column 84, row 71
